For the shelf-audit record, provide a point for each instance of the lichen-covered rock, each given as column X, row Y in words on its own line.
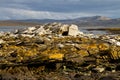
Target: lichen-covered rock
column 83, row 53
column 115, row 52
column 104, row 46
column 57, row 56
column 56, row 46
column 53, row 54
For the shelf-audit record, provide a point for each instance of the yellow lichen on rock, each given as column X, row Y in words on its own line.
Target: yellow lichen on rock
column 93, row 46
column 115, row 52
column 31, row 52
column 83, row 53
column 93, row 49
column 57, row 56
column 104, row 46
column 53, row 54
column 20, row 50
column 84, row 46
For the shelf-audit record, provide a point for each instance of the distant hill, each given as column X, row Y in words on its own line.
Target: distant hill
column 17, row 23
column 83, row 21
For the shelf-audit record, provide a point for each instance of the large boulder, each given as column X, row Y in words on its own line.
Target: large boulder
column 64, row 29
column 73, row 30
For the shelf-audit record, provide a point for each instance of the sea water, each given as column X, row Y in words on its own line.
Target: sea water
column 11, row 28
column 82, row 29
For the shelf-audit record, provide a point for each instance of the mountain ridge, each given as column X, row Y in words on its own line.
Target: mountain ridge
column 82, row 21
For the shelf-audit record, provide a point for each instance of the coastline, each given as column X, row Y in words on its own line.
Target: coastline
column 58, row 50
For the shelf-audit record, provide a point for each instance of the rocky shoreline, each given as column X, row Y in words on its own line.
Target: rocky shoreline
column 58, row 51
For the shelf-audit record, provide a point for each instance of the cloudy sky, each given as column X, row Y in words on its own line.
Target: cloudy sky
column 58, row 9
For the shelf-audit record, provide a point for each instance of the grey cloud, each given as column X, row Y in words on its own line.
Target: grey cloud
column 58, row 7
column 62, row 5
column 10, row 13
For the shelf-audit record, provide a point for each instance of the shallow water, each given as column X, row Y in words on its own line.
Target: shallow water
column 95, row 30
column 11, row 28
column 83, row 29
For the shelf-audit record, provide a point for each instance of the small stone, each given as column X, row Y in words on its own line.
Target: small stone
column 99, row 69
column 64, row 68
column 60, row 45
column 113, row 71
column 118, row 43
column 2, row 41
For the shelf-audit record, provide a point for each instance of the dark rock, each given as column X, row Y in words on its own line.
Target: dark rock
column 107, row 78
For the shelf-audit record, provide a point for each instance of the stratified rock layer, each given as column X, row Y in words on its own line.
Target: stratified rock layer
column 58, row 45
